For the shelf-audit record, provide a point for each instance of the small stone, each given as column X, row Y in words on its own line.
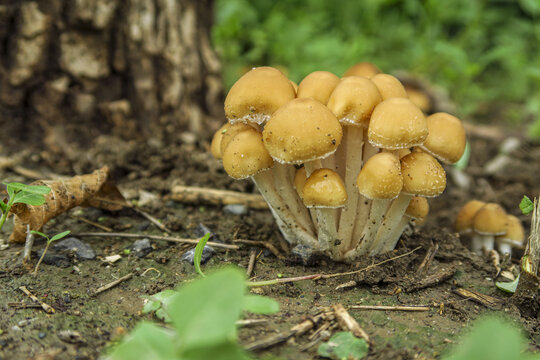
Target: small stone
column 71, row 336
column 58, row 260
column 41, row 335
column 202, row 230
column 112, row 258
column 16, row 328
column 143, row 225
column 82, row 250
column 207, row 253
column 141, row 248
column 148, row 199
column 235, row 209
column 303, row 254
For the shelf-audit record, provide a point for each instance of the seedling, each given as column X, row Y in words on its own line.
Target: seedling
column 49, row 242
column 24, row 194
column 197, row 256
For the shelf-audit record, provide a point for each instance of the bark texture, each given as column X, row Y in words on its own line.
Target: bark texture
column 126, row 67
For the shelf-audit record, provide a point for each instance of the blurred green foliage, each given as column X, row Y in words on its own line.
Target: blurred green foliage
column 486, row 53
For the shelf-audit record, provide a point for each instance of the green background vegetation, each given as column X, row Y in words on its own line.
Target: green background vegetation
column 486, row 53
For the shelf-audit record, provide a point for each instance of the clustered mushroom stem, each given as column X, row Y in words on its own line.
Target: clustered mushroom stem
column 265, row 183
column 284, row 185
column 390, row 222
column 376, row 215
column 327, row 228
column 480, row 242
column 394, row 237
column 353, row 138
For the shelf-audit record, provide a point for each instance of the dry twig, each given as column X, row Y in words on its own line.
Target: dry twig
column 486, row 300
column 198, row 195
column 112, row 284
column 348, row 323
column 391, row 308
column 48, row 309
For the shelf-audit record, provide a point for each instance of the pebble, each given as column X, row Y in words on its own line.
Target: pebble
column 81, row 250
column 141, row 248
column 143, row 225
column 41, row 335
column 303, row 254
column 58, row 260
column 235, row 209
column 147, row 198
column 207, row 253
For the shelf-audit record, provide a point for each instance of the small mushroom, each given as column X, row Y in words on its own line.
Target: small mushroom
column 489, row 221
column 514, row 237
column 365, row 69
column 464, row 218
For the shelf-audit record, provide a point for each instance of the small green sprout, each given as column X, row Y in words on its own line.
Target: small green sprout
column 197, row 256
column 23, row 194
column 49, row 242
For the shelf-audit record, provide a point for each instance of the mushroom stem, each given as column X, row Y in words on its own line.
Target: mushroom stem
column 504, row 247
column 362, row 212
column 393, row 238
column 480, row 242
column 391, row 220
column 265, row 183
column 376, row 216
column 311, row 166
column 284, row 185
column 327, row 229
column 353, row 140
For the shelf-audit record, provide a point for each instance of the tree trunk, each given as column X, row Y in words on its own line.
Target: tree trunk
column 130, row 68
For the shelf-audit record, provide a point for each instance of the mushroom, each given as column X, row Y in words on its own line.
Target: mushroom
column 215, row 145
column 446, row 139
column 465, row 216
column 489, row 221
column 365, row 69
column 515, row 234
column 389, row 86
column 318, row 85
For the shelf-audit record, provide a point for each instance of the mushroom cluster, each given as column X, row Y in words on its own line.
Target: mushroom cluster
column 489, row 226
column 344, row 164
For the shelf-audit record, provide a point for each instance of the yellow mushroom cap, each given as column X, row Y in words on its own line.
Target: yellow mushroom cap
column 353, row 100
column 465, row 216
column 380, row 177
column 515, row 233
column 419, row 98
column 397, row 123
column 318, row 85
column 215, row 145
column 389, row 86
column 403, row 152
column 257, row 95
column 302, row 130
column 324, row 188
column 246, row 155
column 365, row 69
column 446, row 139
column 418, row 208
column 422, row 175
column 490, row 220
column 299, row 180
column 230, row 132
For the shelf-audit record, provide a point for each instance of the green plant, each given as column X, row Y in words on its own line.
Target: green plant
column 203, row 316
column 343, row 345
column 24, row 194
column 49, row 242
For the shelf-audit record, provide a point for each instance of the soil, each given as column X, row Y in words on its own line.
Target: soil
column 103, row 319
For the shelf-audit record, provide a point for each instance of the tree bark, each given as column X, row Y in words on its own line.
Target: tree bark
column 130, row 68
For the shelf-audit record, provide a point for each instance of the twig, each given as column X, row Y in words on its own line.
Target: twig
column 156, row 237
column 348, row 284
column 48, row 309
column 251, row 264
column 283, row 280
column 391, row 308
column 90, row 222
column 197, row 195
column 150, row 218
column 27, row 253
column 23, row 305
column 250, row 322
column 348, row 323
column 112, row 284
column 428, row 281
column 265, row 244
column 428, row 259
column 486, row 300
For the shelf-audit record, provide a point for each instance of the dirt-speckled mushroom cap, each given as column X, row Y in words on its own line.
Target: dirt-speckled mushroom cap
column 324, row 188
column 318, row 85
column 465, row 216
column 515, row 234
column 215, row 145
column 231, row 132
column 422, row 175
column 446, row 139
column 365, row 69
column 389, row 86
column 302, row 130
column 246, row 155
column 490, row 220
column 418, row 208
column 353, row 100
column 299, row 180
column 397, row 123
column 257, row 95
column 380, row 177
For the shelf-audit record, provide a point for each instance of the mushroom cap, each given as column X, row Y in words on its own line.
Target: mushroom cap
column 380, row 177
column 257, row 95
column 318, row 85
column 299, row 180
column 515, row 234
column 353, row 100
column 397, row 123
column 490, row 219
column 446, row 139
column 389, row 86
column 419, row 98
column 418, row 208
column 295, row 86
column 302, row 130
column 246, row 155
column 364, row 68
column 231, row 132
column 215, row 145
column 324, row 188
column 403, row 152
column 422, row 175
column 465, row 216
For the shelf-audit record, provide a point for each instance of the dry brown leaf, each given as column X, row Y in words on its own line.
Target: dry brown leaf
column 85, row 190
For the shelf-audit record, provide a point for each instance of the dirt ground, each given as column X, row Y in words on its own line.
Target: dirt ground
column 101, row 320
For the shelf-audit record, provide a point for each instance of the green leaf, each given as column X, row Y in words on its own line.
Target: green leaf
column 147, row 341
column 224, row 351
column 260, row 304
column 508, row 286
column 156, row 303
column 60, row 236
column 39, row 233
column 343, row 345
column 33, row 189
column 205, row 311
column 3, row 206
column 28, row 198
column 197, row 256
column 526, row 205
